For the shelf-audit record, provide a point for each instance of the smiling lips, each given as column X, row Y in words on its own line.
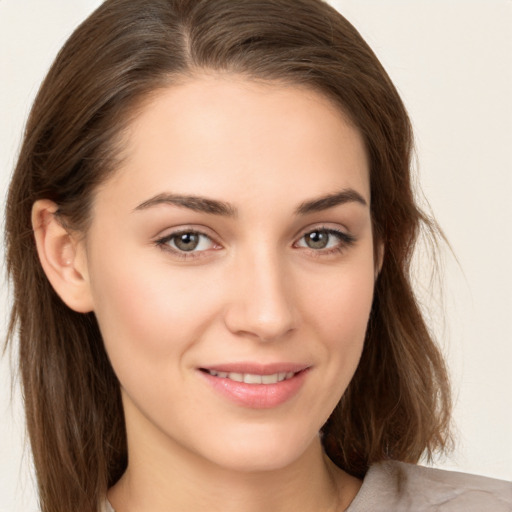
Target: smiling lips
column 256, row 386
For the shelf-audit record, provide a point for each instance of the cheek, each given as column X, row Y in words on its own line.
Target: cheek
column 147, row 312
column 338, row 312
column 340, row 305
column 335, row 310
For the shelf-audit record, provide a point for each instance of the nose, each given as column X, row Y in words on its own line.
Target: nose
column 262, row 303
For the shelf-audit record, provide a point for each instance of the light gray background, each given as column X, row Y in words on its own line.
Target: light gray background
column 451, row 61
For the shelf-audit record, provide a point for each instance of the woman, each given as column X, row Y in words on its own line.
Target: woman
column 209, row 233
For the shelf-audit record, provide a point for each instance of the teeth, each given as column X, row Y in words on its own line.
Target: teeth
column 250, row 378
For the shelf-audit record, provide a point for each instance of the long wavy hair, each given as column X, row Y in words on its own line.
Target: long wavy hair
column 397, row 405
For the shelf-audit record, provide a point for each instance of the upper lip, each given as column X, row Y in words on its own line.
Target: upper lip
column 257, row 368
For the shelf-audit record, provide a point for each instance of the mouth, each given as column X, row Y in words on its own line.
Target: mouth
column 256, row 386
column 252, row 378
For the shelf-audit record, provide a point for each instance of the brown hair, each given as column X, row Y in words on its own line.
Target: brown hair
column 396, row 406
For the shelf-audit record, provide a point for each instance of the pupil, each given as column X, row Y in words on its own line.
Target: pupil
column 317, row 239
column 187, row 241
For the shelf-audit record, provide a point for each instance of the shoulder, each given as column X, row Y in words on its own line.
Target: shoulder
column 404, row 487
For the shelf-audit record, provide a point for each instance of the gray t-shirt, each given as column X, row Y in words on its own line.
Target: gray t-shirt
column 399, row 487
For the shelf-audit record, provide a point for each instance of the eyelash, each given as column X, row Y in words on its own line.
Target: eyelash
column 345, row 241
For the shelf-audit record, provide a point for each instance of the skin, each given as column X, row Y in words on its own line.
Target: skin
column 253, row 290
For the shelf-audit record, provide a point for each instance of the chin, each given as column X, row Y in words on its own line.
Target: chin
column 261, row 450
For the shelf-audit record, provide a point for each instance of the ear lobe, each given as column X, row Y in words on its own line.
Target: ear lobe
column 62, row 257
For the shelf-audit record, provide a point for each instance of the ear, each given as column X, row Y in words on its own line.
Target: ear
column 63, row 257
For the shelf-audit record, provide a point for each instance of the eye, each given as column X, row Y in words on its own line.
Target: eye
column 187, row 242
column 325, row 239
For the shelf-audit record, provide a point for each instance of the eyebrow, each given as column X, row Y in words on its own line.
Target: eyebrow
column 196, row 203
column 216, row 207
column 348, row 195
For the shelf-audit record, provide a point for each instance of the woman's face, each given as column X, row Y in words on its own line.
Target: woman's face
column 233, row 244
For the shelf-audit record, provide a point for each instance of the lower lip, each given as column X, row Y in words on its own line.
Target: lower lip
column 257, row 396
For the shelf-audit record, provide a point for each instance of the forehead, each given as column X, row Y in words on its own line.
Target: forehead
column 228, row 137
